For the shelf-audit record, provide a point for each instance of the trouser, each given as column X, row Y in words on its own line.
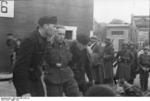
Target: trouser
column 132, row 75
column 144, row 80
column 70, row 88
column 98, row 74
column 36, row 89
column 109, row 81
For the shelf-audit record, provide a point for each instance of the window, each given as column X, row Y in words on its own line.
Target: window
column 117, row 32
column 121, row 41
column 68, row 35
column 70, row 32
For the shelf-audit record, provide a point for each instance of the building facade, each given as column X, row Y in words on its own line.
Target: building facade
column 118, row 33
column 141, row 26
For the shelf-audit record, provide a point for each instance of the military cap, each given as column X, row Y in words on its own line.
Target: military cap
column 47, row 20
column 9, row 34
column 107, row 40
column 146, row 48
column 93, row 37
column 83, row 38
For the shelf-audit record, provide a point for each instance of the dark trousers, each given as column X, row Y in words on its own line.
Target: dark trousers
column 132, row 75
column 109, row 81
column 36, row 89
column 98, row 74
column 70, row 88
column 144, row 80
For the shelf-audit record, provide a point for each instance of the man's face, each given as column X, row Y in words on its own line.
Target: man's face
column 60, row 37
column 60, row 34
column 145, row 51
column 81, row 46
column 10, row 37
column 50, row 29
column 93, row 40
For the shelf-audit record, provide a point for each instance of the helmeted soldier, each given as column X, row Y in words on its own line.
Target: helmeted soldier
column 108, row 62
column 59, row 77
column 134, row 63
column 144, row 64
column 96, row 54
column 124, row 58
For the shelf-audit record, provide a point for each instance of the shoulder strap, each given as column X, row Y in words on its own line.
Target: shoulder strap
column 93, row 46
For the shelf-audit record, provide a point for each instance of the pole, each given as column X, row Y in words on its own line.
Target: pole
column 149, row 24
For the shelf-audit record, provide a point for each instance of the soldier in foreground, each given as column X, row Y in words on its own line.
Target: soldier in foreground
column 80, row 63
column 59, row 77
column 27, row 74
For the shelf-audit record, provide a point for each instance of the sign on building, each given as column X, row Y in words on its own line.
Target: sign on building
column 7, row 8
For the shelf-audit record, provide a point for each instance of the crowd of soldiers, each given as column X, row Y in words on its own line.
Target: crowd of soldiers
column 49, row 65
column 128, row 62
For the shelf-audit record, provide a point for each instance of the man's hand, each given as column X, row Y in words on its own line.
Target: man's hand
column 91, row 83
column 26, row 95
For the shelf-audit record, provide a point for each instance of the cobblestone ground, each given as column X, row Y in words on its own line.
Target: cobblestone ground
column 7, row 88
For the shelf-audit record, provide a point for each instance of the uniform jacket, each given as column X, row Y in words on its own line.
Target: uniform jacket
column 108, row 61
column 134, row 63
column 80, row 64
column 97, row 54
column 144, row 61
column 58, row 53
column 124, row 64
column 27, row 71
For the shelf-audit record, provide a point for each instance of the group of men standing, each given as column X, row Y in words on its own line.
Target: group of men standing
column 130, row 64
column 63, row 63
column 102, row 56
column 45, row 57
column 126, row 60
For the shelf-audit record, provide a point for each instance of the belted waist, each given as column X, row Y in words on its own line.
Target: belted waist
column 125, row 61
column 55, row 66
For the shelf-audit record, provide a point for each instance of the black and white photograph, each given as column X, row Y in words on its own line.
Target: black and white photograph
column 74, row 48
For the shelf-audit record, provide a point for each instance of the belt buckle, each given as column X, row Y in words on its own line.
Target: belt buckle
column 59, row 65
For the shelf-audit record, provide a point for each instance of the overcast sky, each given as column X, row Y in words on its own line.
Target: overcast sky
column 106, row 10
